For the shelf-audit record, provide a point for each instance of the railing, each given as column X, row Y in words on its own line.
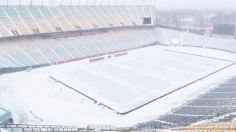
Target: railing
column 38, row 128
column 59, row 128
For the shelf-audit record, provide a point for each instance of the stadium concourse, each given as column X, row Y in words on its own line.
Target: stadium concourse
column 70, row 68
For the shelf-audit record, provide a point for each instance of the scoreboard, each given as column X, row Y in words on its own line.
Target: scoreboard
column 224, row 29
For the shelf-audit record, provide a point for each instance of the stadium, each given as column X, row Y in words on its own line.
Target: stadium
column 79, row 65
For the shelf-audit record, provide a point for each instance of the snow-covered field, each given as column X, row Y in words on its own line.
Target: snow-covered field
column 121, row 83
column 127, row 82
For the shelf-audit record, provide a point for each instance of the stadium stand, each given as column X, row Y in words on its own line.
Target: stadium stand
column 30, row 34
column 27, row 20
column 167, row 36
column 213, row 127
column 48, row 22
column 216, row 102
column 23, row 52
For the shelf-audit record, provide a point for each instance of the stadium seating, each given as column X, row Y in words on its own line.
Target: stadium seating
column 26, row 20
column 219, row 101
column 40, row 50
column 166, row 36
column 37, row 51
column 227, row 118
column 212, row 127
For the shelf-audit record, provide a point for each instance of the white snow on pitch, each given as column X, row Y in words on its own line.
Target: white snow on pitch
column 122, row 83
column 129, row 81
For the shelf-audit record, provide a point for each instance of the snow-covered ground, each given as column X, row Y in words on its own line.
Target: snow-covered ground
column 127, row 82
column 122, row 83
column 204, row 52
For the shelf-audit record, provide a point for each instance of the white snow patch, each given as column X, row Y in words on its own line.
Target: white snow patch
column 33, row 97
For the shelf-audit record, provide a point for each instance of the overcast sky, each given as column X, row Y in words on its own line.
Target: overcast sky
column 196, row 3
column 166, row 4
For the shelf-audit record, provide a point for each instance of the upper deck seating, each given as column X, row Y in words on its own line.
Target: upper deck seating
column 26, row 20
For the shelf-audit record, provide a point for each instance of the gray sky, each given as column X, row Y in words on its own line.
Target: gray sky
column 166, row 4
column 196, row 4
